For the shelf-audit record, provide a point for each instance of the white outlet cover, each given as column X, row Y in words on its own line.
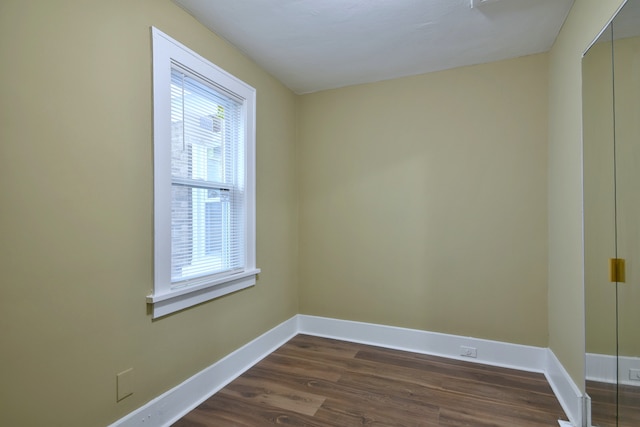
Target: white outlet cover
column 476, row 3
column 468, row 351
column 124, row 384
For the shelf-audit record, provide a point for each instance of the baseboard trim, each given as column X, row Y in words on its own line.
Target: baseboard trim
column 516, row 356
column 175, row 403
column 169, row 407
column 605, row 368
column 601, row 367
column 566, row 391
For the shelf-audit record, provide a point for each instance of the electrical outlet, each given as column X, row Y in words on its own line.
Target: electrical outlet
column 476, row 3
column 468, row 351
column 124, row 384
column 634, row 374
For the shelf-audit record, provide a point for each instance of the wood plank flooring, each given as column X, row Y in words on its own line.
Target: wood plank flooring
column 315, row 382
column 604, row 401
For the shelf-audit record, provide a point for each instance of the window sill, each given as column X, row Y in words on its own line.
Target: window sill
column 181, row 298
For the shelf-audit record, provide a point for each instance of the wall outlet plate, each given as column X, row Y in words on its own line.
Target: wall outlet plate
column 124, row 384
column 476, row 3
column 468, row 351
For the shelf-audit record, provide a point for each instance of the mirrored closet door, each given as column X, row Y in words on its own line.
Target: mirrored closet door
column 611, row 138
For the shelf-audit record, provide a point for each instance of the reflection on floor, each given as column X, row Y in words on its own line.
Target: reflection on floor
column 604, row 408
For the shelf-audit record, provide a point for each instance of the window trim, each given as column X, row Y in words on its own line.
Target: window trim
column 166, row 299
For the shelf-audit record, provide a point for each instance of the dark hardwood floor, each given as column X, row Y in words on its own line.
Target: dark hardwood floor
column 604, row 404
column 313, row 381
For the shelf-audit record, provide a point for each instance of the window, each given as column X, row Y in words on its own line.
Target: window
column 204, row 179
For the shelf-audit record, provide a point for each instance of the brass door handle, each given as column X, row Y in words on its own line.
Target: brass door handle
column 616, row 270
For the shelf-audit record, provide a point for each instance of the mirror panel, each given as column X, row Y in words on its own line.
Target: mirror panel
column 611, row 138
column 626, row 77
column 599, row 229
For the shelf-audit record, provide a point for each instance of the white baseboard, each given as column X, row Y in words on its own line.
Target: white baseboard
column 169, row 407
column 175, row 403
column 567, row 392
column 522, row 357
column 605, row 368
column 587, row 410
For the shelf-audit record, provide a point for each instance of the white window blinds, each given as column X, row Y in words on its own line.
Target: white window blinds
column 207, row 180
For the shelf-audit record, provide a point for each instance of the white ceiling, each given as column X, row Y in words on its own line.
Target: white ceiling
column 312, row 45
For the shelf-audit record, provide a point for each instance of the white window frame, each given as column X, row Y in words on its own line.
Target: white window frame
column 166, row 298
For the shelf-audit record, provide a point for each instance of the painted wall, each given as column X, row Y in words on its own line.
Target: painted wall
column 76, row 213
column 566, row 265
column 423, row 202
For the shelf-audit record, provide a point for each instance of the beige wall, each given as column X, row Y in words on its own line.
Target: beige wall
column 76, row 213
column 423, row 202
column 566, row 277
